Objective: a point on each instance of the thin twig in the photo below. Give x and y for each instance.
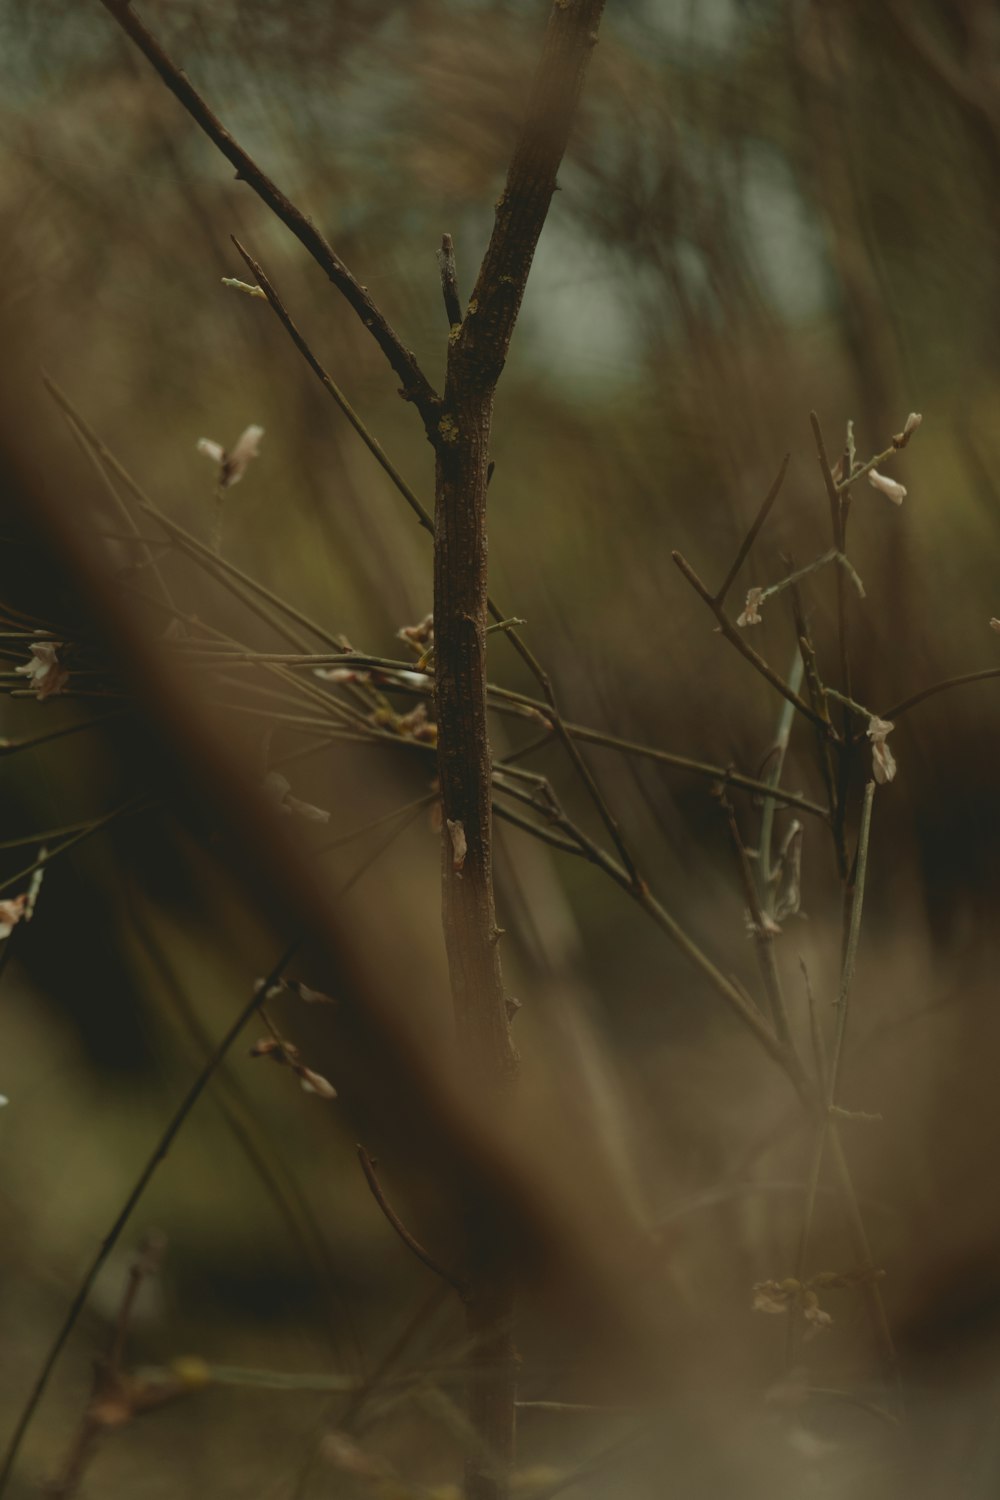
(735, 638)
(113, 1235)
(415, 385)
(751, 536)
(762, 926)
(938, 687)
(409, 1240)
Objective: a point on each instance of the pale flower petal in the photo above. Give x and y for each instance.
(46, 676)
(315, 1083)
(11, 912)
(751, 615)
(891, 487)
(883, 760)
(214, 451)
(246, 447)
(232, 464)
(770, 1297)
(995, 624)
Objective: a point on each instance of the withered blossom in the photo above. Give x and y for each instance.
(891, 487)
(883, 760)
(315, 1083)
(751, 615)
(418, 725)
(420, 637)
(287, 1055)
(459, 847)
(232, 464)
(788, 875)
(780, 1297)
(341, 675)
(46, 675)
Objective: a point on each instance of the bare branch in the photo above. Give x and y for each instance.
(415, 385)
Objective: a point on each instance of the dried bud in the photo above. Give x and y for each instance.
(232, 465)
(12, 912)
(883, 760)
(341, 675)
(45, 675)
(269, 1046)
(459, 846)
(420, 637)
(770, 1297)
(891, 487)
(315, 1083)
(751, 615)
(308, 996)
(910, 426)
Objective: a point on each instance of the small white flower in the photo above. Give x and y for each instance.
(891, 487)
(995, 624)
(751, 615)
(44, 673)
(232, 464)
(883, 760)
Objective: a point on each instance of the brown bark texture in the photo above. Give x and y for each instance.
(476, 357)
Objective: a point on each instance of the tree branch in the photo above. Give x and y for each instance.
(415, 385)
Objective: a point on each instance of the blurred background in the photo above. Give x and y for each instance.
(766, 209)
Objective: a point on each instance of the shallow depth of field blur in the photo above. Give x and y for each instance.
(768, 207)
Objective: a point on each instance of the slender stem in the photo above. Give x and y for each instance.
(371, 443)
(30, 742)
(939, 687)
(735, 638)
(775, 767)
(853, 937)
(416, 387)
(48, 855)
(114, 1234)
(762, 928)
(751, 536)
(409, 1240)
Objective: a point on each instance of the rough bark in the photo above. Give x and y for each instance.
(477, 353)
